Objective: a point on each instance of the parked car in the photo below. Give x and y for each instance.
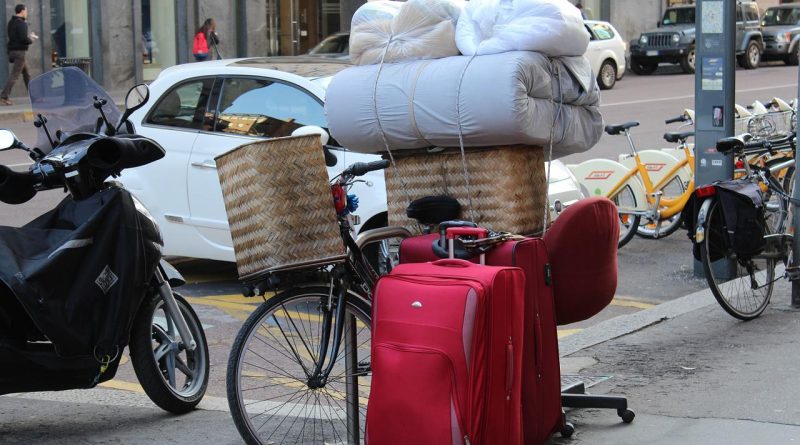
(674, 40)
(781, 28)
(198, 111)
(335, 46)
(606, 53)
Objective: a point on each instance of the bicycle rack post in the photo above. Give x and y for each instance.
(796, 219)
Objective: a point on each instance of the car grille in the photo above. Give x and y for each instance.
(660, 40)
(769, 38)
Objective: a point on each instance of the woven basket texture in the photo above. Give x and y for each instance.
(279, 204)
(508, 185)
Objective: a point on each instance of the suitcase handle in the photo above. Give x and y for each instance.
(453, 232)
(451, 262)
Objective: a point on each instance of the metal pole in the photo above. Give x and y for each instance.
(796, 217)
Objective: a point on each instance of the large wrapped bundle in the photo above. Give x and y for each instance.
(551, 27)
(505, 99)
(417, 29)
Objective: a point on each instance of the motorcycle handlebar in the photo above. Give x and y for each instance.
(16, 187)
(361, 168)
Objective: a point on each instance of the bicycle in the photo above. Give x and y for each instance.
(299, 369)
(743, 283)
(634, 191)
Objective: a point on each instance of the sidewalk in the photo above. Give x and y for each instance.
(21, 112)
(692, 374)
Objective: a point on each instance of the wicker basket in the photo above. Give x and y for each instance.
(508, 184)
(279, 205)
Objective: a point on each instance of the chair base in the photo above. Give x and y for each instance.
(574, 396)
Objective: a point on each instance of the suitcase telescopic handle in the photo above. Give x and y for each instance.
(453, 232)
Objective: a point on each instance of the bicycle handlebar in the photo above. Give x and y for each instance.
(680, 118)
(362, 168)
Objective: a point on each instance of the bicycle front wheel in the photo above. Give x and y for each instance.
(743, 287)
(271, 393)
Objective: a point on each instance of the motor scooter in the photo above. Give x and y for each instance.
(85, 280)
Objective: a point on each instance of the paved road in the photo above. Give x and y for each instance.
(651, 272)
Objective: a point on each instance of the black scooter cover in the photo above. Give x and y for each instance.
(81, 271)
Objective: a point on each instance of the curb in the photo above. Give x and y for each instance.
(15, 117)
(627, 324)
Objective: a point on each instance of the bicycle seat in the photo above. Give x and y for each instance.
(617, 129)
(674, 137)
(434, 209)
(734, 143)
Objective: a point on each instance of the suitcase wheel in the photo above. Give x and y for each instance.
(567, 430)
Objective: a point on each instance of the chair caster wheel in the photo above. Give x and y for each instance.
(567, 430)
(626, 415)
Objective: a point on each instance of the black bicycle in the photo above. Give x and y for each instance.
(299, 369)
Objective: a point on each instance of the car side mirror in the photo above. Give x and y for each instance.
(8, 140)
(324, 138)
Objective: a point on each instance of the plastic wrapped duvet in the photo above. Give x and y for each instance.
(505, 99)
(551, 27)
(417, 29)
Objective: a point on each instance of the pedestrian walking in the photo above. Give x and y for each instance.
(18, 41)
(205, 38)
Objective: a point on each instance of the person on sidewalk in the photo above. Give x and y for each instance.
(18, 41)
(205, 36)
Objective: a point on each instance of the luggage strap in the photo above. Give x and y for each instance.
(483, 245)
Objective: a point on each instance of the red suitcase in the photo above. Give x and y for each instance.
(541, 398)
(446, 361)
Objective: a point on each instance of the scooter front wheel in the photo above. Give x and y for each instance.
(173, 377)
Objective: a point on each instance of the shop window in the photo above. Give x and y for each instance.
(158, 36)
(69, 24)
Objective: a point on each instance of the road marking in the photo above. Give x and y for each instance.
(567, 332)
(125, 386)
(628, 302)
(644, 101)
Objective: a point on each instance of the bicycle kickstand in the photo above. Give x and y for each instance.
(657, 213)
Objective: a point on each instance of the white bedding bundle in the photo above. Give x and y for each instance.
(515, 85)
(417, 29)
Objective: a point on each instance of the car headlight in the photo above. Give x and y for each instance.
(676, 38)
(643, 40)
(785, 37)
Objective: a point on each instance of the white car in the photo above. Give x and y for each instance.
(606, 53)
(198, 111)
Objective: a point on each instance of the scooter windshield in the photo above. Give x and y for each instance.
(65, 97)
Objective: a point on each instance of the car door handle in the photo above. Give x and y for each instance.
(205, 164)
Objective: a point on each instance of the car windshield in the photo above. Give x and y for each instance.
(678, 16)
(338, 44)
(782, 16)
(65, 97)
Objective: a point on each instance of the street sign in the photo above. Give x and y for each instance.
(715, 87)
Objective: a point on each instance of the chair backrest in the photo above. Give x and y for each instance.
(582, 246)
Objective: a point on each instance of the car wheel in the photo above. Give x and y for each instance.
(792, 58)
(643, 68)
(608, 75)
(688, 60)
(751, 57)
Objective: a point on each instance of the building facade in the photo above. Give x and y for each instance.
(130, 41)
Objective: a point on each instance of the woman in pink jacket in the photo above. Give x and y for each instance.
(205, 34)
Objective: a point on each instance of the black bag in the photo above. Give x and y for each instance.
(743, 213)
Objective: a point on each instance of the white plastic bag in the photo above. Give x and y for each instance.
(417, 29)
(551, 27)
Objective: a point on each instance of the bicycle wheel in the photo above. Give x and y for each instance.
(628, 224)
(745, 290)
(674, 189)
(271, 397)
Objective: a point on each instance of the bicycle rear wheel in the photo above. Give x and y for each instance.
(270, 394)
(628, 224)
(745, 289)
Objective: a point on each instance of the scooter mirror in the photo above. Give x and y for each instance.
(137, 96)
(7, 139)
